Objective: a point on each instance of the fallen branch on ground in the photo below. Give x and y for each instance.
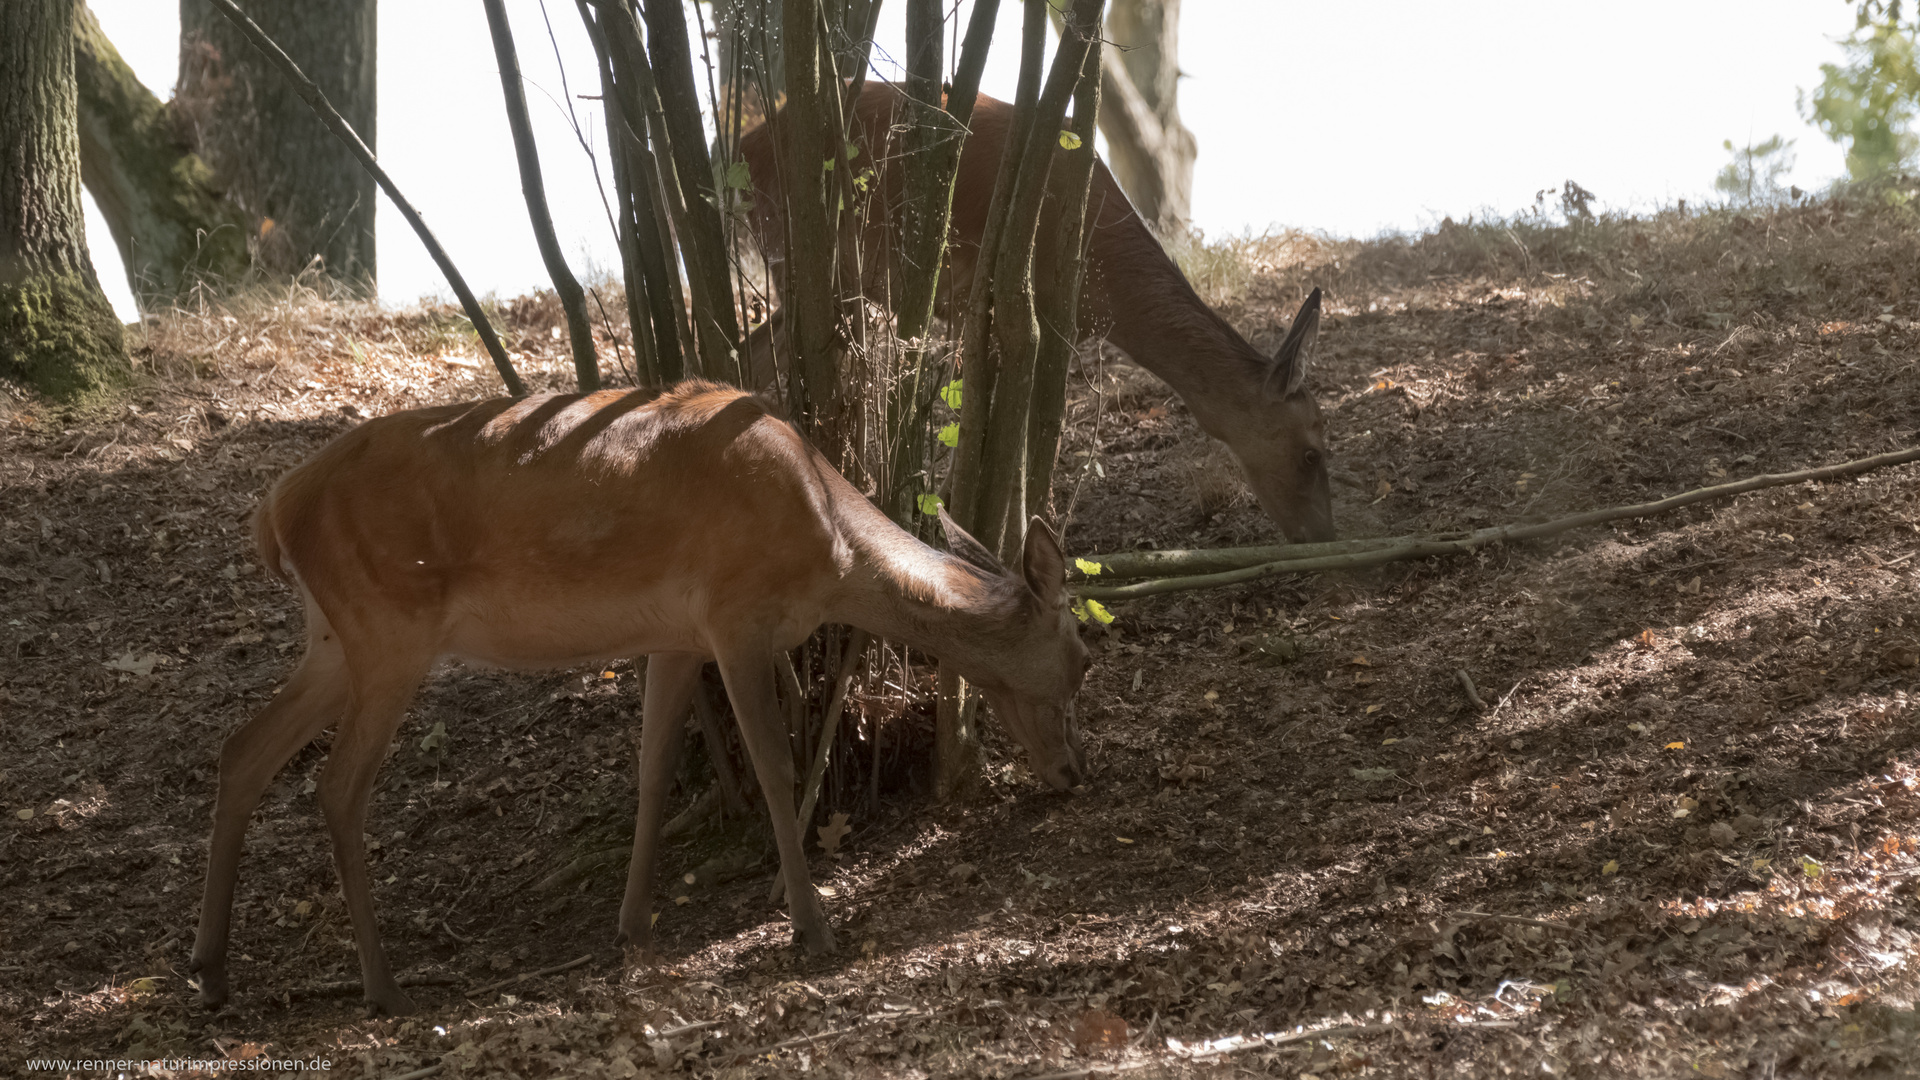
(1503, 534)
(1182, 561)
(348, 987)
(525, 975)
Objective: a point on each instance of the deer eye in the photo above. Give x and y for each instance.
(1313, 457)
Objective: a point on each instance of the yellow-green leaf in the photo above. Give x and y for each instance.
(1088, 567)
(1809, 866)
(949, 435)
(853, 151)
(1068, 140)
(1091, 609)
(1612, 867)
(929, 504)
(950, 394)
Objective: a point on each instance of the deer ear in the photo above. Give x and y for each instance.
(1289, 371)
(967, 549)
(1043, 564)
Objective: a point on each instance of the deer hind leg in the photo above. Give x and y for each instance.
(748, 674)
(384, 678)
(312, 700)
(671, 681)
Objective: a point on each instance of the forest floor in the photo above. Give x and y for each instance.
(1680, 839)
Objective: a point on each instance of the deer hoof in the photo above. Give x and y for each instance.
(212, 982)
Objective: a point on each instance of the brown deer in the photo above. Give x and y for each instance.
(1258, 406)
(687, 526)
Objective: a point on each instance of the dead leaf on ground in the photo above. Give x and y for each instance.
(1098, 1030)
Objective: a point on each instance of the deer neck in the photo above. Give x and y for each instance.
(899, 589)
(1154, 316)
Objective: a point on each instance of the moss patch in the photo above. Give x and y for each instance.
(59, 336)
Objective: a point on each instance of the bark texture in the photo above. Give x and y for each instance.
(170, 222)
(1150, 152)
(271, 155)
(57, 331)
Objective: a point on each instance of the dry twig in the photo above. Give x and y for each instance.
(1466, 684)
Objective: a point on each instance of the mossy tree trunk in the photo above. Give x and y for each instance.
(171, 224)
(306, 193)
(57, 331)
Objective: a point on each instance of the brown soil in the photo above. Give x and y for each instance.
(1680, 840)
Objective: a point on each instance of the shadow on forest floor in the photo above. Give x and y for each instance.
(1681, 837)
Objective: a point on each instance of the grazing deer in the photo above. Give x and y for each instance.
(1134, 294)
(689, 525)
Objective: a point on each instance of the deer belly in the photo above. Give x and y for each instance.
(569, 628)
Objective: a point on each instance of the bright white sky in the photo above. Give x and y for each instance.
(1347, 118)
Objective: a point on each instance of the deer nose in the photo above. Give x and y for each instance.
(1073, 771)
(1066, 775)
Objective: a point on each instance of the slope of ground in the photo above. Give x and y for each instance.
(1679, 840)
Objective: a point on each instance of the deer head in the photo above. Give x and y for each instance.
(1280, 439)
(1033, 695)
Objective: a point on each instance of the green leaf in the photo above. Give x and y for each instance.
(435, 739)
(949, 435)
(929, 504)
(1087, 567)
(950, 394)
(738, 176)
(1372, 775)
(1068, 140)
(853, 151)
(827, 166)
(1809, 866)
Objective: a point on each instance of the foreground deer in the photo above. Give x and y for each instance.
(1134, 294)
(562, 530)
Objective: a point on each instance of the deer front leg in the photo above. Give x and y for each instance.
(378, 704)
(672, 679)
(312, 699)
(749, 677)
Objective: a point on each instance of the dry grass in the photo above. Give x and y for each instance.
(1682, 269)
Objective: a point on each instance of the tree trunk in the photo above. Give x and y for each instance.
(57, 331)
(1057, 295)
(808, 295)
(1148, 149)
(270, 154)
(172, 225)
